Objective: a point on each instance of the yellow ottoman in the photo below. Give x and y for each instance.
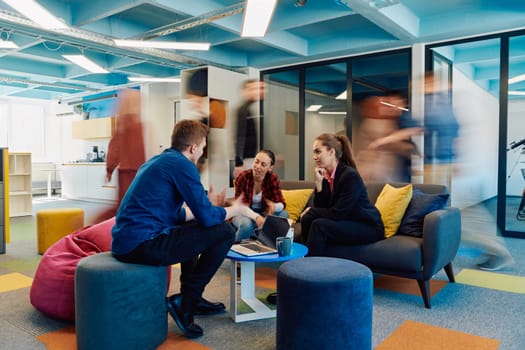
(53, 224)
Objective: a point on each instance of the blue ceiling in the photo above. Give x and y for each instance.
(318, 30)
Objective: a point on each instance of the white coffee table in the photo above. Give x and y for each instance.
(247, 282)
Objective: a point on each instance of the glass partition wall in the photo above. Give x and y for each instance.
(324, 97)
(325, 108)
(282, 122)
(485, 83)
(515, 170)
(487, 86)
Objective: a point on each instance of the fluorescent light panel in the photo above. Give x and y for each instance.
(86, 63)
(517, 93)
(341, 96)
(393, 106)
(154, 80)
(517, 78)
(314, 108)
(336, 113)
(35, 12)
(169, 45)
(257, 16)
(7, 44)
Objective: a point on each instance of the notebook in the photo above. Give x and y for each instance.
(273, 227)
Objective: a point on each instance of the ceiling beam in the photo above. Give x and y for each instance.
(397, 19)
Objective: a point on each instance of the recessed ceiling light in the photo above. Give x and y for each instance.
(517, 78)
(86, 63)
(257, 16)
(7, 44)
(169, 45)
(154, 80)
(517, 93)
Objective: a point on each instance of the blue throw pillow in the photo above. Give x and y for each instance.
(420, 205)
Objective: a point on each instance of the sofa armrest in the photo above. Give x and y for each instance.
(441, 238)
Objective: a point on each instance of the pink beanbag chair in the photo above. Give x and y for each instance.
(53, 288)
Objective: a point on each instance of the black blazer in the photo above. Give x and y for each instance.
(348, 201)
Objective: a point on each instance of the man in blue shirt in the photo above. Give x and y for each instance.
(154, 227)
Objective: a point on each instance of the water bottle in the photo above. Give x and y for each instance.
(290, 233)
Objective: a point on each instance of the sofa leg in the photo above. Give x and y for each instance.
(450, 272)
(424, 287)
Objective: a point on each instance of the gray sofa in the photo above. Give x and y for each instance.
(402, 255)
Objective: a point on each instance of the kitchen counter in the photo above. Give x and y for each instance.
(87, 181)
(85, 163)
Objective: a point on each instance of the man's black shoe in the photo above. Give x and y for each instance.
(205, 307)
(272, 298)
(183, 320)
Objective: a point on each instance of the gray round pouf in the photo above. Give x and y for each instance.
(324, 303)
(119, 305)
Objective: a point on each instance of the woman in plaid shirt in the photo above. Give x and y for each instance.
(261, 191)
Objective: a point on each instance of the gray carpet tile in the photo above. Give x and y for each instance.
(464, 308)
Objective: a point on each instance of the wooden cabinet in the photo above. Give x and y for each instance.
(4, 199)
(20, 196)
(98, 128)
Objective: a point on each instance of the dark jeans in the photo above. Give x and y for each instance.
(200, 251)
(320, 232)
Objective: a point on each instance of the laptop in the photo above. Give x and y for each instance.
(273, 227)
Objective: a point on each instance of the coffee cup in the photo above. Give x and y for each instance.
(284, 246)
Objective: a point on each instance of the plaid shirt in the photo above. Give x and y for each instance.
(271, 188)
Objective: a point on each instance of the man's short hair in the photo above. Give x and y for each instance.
(188, 132)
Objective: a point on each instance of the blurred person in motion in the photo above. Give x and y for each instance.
(385, 147)
(342, 212)
(441, 132)
(442, 150)
(260, 189)
(246, 143)
(197, 93)
(126, 147)
(166, 218)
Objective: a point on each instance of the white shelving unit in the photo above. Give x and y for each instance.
(20, 197)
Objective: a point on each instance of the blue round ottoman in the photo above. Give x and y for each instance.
(324, 303)
(119, 305)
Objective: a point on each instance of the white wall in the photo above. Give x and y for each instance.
(158, 115)
(27, 125)
(477, 112)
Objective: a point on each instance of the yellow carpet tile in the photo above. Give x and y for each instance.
(12, 281)
(492, 280)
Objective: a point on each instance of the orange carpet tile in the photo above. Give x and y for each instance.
(65, 339)
(406, 285)
(413, 335)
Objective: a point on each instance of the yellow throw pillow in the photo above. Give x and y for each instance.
(296, 201)
(392, 203)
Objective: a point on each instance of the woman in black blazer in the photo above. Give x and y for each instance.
(342, 212)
